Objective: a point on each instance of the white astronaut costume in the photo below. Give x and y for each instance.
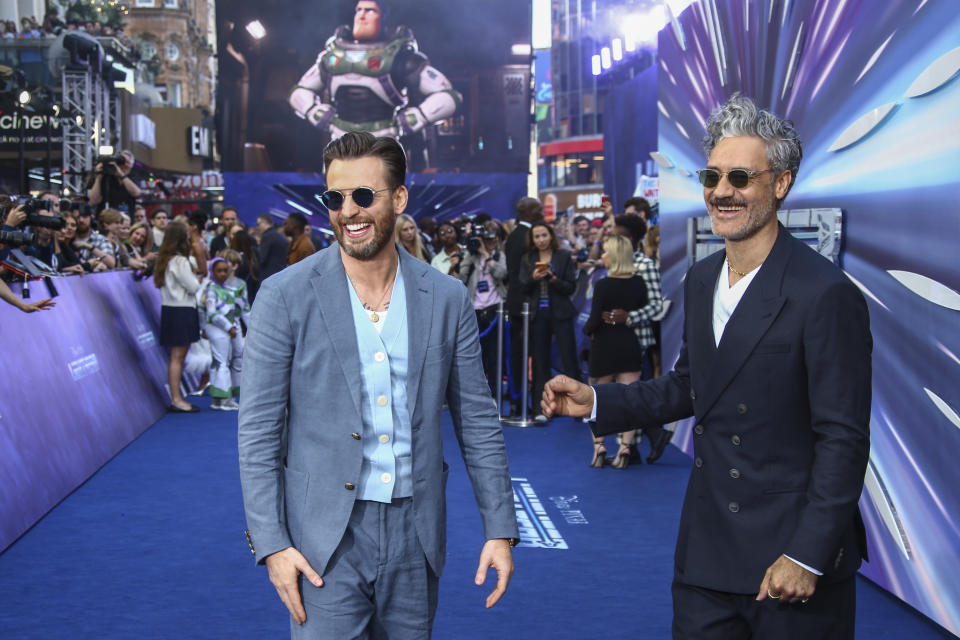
(387, 87)
(224, 307)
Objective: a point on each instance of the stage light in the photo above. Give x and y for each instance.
(629, 43)
(644, 27)
(56, 109)
(595, 64)
(24, 98)
(522, 50)
(605, 58)
(256, 29)
(78, 119)
(617, 49)
(541, 25)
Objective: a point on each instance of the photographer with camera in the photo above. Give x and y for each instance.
(110, 185)
(484, 271)
(90, 246)
(47, 246)
(12, 237)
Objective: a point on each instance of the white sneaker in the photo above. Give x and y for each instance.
(224, 404)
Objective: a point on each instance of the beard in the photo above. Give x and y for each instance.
(758, 214)
(383, 233)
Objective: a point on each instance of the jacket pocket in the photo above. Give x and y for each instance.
(436, 353)
(772, 347)
(778, 490)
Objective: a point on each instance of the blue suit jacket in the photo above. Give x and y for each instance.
(782, 411)
(300, 452)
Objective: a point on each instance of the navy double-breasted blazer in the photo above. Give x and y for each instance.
(782, 407)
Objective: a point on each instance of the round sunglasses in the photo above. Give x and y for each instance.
(363, 196)
(738, 178)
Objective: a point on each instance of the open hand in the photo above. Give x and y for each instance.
(42, 305)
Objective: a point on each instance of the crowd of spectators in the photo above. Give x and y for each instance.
(543, 264)
(513, 261)
(53, 25)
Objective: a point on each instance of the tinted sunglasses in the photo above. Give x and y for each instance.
(738, 178)
(363, 196)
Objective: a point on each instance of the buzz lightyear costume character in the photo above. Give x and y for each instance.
(373, 79)
(224, 306)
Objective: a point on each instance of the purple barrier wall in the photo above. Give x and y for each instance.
(874, 92)
(80, 383)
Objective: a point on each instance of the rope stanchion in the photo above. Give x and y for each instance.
(483, 334)
(523, 421)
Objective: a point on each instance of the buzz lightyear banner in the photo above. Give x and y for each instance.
(442, 76)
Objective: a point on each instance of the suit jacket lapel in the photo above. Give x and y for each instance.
(757, 310)
(702, 346)
(419, 320)
(333, 299)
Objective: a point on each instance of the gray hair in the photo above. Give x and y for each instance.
(741, 117)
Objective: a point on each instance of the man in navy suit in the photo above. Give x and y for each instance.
(775, 366)
(350, 355)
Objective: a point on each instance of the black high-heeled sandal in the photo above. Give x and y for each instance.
(599, 455)
(622, 459)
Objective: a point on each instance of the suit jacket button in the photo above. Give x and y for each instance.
(349, 486)
(698, 462)
(355, 436)
(734, 507)
(741, 408)
(734, 473)
(698, 429)
(735, 440)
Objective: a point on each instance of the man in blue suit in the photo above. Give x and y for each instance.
(776, 367)
(350, 356)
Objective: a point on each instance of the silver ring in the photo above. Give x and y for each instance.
(772, 596)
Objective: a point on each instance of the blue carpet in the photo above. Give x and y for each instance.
(152, 546)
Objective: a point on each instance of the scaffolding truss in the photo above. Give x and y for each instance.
(87, 95)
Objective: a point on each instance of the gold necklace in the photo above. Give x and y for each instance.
(374, 317)
(739, 273)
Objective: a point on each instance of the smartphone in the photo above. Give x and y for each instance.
(541, 266)
(604, 200)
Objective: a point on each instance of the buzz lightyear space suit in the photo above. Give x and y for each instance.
(387, 87)
(224, 305)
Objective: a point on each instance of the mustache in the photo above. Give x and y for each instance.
(727, 202)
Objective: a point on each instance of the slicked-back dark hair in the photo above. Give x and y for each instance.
(640, 204)
(529, 210)
(361, 144)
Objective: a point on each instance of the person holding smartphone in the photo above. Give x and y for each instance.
(548, 278)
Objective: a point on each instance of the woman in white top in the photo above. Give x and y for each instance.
(179, 322)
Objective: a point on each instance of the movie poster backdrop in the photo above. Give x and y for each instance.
(440, 75)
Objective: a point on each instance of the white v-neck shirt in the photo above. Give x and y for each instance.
(726, 298)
